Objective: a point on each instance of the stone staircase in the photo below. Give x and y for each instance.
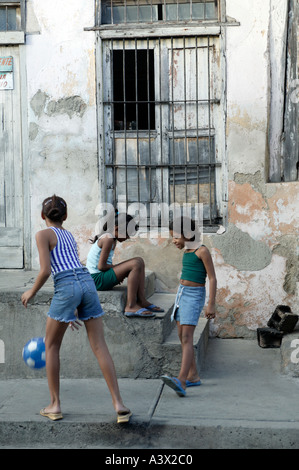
(140, 347)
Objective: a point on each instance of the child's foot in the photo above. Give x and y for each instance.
(123, 417)
(52, 409)
(51, 413)
(152, 307)
(138, 311)
(175, 384)
(193, 381)
(123, 414)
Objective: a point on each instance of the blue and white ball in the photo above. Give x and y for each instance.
(34, 353)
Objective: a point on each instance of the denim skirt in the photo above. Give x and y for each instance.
(188, 305)
(74, 289)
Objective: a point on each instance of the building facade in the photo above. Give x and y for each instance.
(151, 103)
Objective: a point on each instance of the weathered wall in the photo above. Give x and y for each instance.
(60, 63)
(256, 257)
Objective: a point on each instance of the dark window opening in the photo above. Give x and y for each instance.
(9, 18)
(133, 89)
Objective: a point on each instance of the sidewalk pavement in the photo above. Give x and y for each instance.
(243, 402)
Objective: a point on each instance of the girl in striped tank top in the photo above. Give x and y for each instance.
(74, 291)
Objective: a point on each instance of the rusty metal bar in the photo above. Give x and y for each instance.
(125, 117)
(164, 165)
(209, 126)
(172, 123)
(137, 121)
(149, 117)
(197, 121)
(160, 123)
(112, 120)
(185, 116)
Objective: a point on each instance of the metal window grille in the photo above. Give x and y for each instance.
(160, 107)
(140, 11)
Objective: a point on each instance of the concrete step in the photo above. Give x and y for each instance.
(115, 300)
(134, 343)
(244, 403)
(172, 348)
(140, 347)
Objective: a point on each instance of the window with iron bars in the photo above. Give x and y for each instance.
(12, 16)
(140, 11)
(161, 113)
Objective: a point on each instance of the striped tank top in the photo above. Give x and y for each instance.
(65, 254)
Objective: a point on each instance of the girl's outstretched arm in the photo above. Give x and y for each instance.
(43, 246)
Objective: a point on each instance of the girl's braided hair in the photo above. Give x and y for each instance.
(54, 208)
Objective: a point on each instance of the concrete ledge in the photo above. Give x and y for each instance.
(134, 343)
(243, 402)
(157, 435)
(172, 348)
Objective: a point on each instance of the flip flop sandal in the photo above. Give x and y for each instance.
(139, 313)
(52, 416)
(123, 417)
(192, 384)
(154, 308)
(175, 384)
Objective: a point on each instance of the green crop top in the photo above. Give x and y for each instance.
(193, 268)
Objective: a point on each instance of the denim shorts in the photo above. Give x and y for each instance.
(74, 289)
(188, 305)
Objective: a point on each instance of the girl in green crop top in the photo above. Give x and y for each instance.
(197, 265)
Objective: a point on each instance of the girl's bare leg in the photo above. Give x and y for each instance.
(54, 334)
(95, 332)
(188, 369)
(133, 269)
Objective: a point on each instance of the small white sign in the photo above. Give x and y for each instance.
(6, 81)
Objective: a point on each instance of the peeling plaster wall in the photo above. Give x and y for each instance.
(62, 148)
(256, 258)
